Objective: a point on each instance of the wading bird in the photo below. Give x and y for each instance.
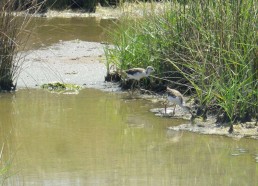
(176, 98)
(137, 74)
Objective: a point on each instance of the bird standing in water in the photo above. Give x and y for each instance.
(138, 73)
(175, 97)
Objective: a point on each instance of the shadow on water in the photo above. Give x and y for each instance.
(99, 138)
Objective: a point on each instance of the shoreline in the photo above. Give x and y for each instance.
(240, 131)
(74, 62)
(67, 62)
(82, 63)
(127, 9)
(209, 127)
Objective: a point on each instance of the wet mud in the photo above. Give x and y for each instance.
(83, 63)
(74, 62)
(208, 127)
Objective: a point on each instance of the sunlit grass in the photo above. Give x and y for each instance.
(208, 47)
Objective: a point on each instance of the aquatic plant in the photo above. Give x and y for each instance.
(209, 48)
(59, 87)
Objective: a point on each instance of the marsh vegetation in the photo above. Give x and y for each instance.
(206, 49)
(13, 36)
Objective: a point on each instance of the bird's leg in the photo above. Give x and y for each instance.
(138, 84)
(130, 91)
(174, 111)
(132, 87)
(165, 108)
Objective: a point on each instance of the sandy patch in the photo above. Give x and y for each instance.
(77, 62)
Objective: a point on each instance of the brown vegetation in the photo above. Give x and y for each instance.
(12, 37)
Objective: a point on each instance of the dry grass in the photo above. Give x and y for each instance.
(13, 37)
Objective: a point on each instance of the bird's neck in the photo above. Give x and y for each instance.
(147, 72)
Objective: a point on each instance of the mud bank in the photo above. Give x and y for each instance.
(76, 62)
(209, 127)
(83, 63)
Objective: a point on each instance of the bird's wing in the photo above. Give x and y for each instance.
(134, 71)
(174, 93)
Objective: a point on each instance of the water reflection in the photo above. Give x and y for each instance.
(93, 138)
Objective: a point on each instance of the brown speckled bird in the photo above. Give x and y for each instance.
(175, 97)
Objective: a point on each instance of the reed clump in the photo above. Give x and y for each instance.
(13, 37)
(209, 48)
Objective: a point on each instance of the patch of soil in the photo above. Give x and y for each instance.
(74, 62)
(209, 127)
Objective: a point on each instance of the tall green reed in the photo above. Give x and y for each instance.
(139, 42)
(209, 46)
(221, 48)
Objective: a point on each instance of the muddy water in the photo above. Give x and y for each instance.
(47, 31)
(99, 138)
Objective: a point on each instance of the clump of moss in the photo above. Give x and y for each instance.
(61, 87)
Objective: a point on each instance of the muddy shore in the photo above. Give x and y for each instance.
(83, 63)
(209, 127)
(75, 62)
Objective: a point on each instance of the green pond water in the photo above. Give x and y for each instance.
(102, 138)
(47, 31)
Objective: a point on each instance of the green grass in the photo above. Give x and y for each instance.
(208, 47)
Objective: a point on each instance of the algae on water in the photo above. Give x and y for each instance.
(59, 87)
